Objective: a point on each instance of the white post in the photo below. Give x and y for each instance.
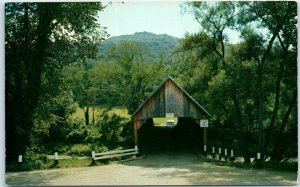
(20, 159)
(219, 150)
(93, 154)
(213, 149)
(225, 152)
(136, 147)
(231, 153)
(204, 148)
(258, 156)
(56, 158)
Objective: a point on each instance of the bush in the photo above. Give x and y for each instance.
(80, 150)
(31, 161)
(99, 148)
(110, 128)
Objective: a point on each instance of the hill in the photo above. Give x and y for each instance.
(157, 44)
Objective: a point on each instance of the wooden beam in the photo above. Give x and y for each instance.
(204, 136)
(137, 125)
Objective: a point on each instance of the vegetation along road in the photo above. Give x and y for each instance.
(156, 169)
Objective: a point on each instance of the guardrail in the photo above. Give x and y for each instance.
(113, 154)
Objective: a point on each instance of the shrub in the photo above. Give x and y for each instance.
(80, 150)
(99, 148)
(110, 129)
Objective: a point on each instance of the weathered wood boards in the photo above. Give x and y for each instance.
(170, 98)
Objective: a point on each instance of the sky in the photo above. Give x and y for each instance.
(159, 17)
(156, 17)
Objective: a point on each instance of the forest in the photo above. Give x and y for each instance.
(54, 68)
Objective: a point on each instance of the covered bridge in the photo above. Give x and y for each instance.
(170, 99)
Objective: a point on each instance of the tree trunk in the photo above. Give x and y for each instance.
(276, 104)
(86, 115)
(276, 155)
(25, 90)
(93, 115)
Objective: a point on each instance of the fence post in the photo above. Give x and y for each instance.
(20, 159)
(220, 153)
(93, 155)
(258, 157)
(231, 156)
(204, 149)
(225, 152)
(56, 157)
(213, 152)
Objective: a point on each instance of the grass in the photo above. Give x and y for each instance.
(162, 121)
(273, 165)
(50, 164)
(121, 111)
(68, 163)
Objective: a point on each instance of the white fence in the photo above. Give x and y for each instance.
(113, 154)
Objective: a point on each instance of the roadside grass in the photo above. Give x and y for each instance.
(68, 163)
(270, 165)
(51, 164)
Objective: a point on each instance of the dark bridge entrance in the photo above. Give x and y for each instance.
(170, 100)
(185, 136)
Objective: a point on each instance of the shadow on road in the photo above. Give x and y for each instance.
(33, 178)
(187, 166)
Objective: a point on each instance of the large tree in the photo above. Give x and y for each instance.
(39, 37)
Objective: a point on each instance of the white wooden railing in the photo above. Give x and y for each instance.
(117, 153)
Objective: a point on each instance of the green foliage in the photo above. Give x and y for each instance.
(110, 128)
(80, 150)
(242, 84)
(50, 35)
(128, 73)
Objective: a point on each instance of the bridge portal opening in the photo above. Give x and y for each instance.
(185, 136)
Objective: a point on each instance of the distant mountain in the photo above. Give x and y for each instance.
(156, 43)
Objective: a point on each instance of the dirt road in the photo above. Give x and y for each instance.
(155, 169)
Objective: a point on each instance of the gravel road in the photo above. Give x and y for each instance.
(155, 169)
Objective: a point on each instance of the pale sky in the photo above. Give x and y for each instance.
(159, 17)
(156, 17)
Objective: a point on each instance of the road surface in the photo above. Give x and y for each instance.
(155, 169)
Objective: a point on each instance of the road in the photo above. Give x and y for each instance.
(155, 169)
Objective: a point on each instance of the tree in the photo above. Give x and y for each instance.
(279, 19)
(39, 37)
(129, 74)
(243, 82)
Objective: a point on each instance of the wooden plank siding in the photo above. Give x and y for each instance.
(170, 98)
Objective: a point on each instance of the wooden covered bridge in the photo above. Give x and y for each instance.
(170, 100)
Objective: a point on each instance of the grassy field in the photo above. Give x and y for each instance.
(121, 111)
(162, 121)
